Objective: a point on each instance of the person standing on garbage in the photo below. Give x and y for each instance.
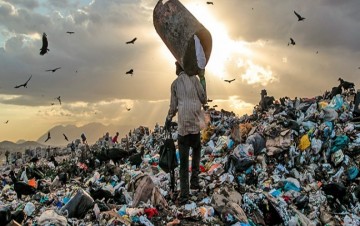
(7, 156)
(115, 138)
(187, 97)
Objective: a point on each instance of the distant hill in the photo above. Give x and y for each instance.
(18, 146)
(93, 132)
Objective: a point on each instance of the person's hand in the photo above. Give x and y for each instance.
(201, 75)
(167, 124)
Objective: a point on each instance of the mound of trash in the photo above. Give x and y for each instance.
(291, 162)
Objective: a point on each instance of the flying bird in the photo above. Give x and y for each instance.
(128, 109)
(132, 41)
(7, 121)
(292, 42)
(44, 49)
(25, 84)
(210, 3)
(130, 72)
(229, 81)
(58, 98)
(300, 18)
(48, 137)
(53, 70)
(65, 137)
(70, 32)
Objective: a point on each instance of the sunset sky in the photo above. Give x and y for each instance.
(250, 44)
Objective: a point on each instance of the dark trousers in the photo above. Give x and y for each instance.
(185, 143)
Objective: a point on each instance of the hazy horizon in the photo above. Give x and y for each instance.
(250, 44)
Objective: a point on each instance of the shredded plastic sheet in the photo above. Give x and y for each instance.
(200, 55)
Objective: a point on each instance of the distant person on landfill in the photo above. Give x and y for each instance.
(7, 156)
(48, 152)
(187, 97)
(72, 149)
(83, 138)
(115, 138)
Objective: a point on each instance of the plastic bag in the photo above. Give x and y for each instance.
(50, 217)
(78, 205)
(167, 160)
(5, 214)
(29, 208)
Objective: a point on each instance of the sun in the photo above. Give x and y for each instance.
(223, 47)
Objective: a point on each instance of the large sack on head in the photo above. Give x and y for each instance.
(186, 38)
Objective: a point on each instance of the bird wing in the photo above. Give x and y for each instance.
(18, 86)
(28, 79)
(45, 42)
(298, 16)
(57, 68)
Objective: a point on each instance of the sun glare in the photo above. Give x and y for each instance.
(223, 47)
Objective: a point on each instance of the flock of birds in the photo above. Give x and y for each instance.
(44, 49)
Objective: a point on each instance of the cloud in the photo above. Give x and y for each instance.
(29, 4)
(14, 44)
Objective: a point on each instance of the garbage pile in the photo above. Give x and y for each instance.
(294, 162)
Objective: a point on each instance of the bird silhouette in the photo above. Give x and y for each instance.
(128, 109)
(48, 137)
(292, 42)
(7, 121)
(53, 70)
(131, 41)
(58, 98)
(210, 3)
(65, 137)
(229, 81)
(300, 18)
(25, 84)
(130, 72)
(44, 49)
(70, 32)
